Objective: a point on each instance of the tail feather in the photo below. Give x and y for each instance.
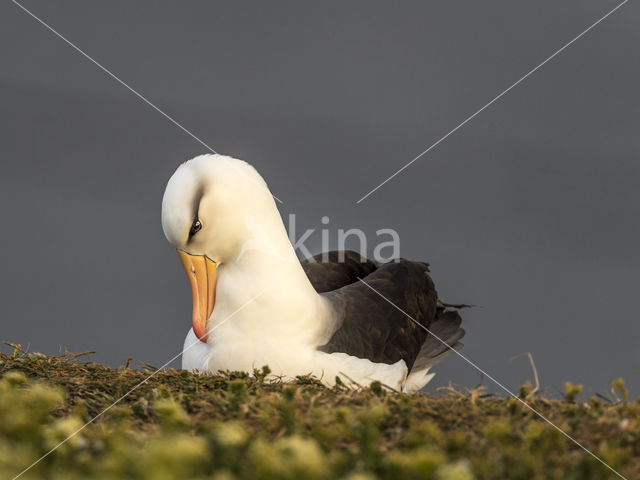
(446, 333)
(446, 328)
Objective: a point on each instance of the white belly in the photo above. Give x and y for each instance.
(286, 361)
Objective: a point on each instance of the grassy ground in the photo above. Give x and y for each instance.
(183, 426)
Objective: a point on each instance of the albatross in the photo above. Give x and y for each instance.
(255, 303)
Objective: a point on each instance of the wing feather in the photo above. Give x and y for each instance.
(371, 327)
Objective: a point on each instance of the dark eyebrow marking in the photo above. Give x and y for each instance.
(196, 200)
(195, 206)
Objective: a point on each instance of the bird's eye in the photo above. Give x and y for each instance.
(195, 227)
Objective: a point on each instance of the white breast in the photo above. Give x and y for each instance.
(195, 354)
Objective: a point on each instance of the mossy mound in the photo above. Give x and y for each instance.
(178, 425)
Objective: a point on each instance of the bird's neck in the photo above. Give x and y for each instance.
(265, 290)
(273, 272)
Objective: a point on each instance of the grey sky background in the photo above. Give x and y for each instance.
(530, 210)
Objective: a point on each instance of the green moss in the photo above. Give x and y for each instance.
(235, 427)
(171, 414)
(619, 390)
(413, 464)
(455, 471)
(571, 392)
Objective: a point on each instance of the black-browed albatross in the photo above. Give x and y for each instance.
(255, 303)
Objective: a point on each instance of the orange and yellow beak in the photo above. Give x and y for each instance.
(202, 277)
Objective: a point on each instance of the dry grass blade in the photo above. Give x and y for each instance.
(535, 372)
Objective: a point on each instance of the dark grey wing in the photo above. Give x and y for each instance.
(332, 270)
(372, 328)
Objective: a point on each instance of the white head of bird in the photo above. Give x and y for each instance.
(213, 206)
